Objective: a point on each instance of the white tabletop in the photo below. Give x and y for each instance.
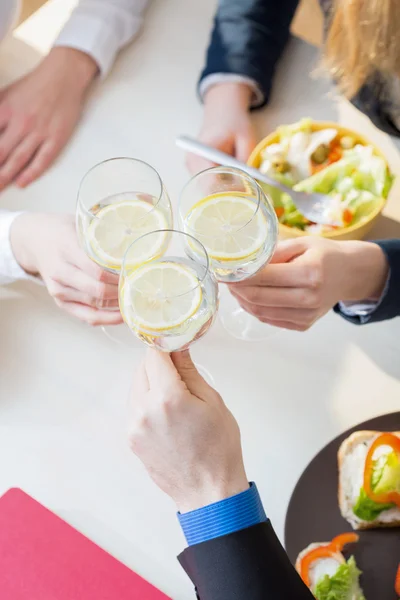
(64, 386)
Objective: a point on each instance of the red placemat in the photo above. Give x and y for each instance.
(44, 558)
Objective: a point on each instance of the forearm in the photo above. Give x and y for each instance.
(101, 28)
(248, 39)
(10, 268)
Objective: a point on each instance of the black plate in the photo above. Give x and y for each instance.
(313, 516)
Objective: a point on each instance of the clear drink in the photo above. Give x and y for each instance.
(170, 301)
(119, 201)
(243, 239)
(228, 212)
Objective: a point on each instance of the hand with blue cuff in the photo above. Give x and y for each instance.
(184, 434)
(189, 443)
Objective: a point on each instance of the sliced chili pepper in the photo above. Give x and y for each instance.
(279, 211)
(386, 439)
(312, 556)
(335, 546)
(397, 582)
(340, 541)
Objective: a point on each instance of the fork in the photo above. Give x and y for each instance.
(315, 207)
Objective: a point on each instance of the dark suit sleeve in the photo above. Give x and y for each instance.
(248, 39)
(250, 564)
(389, 306)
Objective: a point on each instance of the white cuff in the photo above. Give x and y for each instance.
(10, 270)
(217, 78)
(358, 309)
(102, 29)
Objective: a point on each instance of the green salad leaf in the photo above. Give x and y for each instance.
(361, 203)
(287, 131)
(368, 510)
(344, 585)
(372, 174)
(290, 216)
(325, 181)
(385, 477)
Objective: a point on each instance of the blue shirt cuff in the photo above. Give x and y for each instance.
(222, 518)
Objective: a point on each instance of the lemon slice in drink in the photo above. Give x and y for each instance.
(228, 225)
(118, 225)
(160, 296)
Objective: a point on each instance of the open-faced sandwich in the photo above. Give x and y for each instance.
(328, 160)
(369, 479)
(324, 569)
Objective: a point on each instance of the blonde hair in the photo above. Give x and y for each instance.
(363, 37)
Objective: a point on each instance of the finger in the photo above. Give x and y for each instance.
(140, 385)
(195, 164)
(92, 316)
(244, 147)
(289, 249)
(300, 316)
(270, 297)
(189, 374)
(281, 275)
(18, 158)
(40, 162)
(285, 325)
(82, 261)
(70, 294)
(5, 115)
(10, 138)
(160, 370)
(95, 292)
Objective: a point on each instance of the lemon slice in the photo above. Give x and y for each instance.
(227, 226)
(160, 295)
(119, 224)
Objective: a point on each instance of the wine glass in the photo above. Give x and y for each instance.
(170, 300)
(228, 212)
(119, 200)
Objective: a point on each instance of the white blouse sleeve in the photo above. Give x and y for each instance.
(9, 268)
(100, 28)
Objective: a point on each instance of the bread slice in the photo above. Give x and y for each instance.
(351, 459)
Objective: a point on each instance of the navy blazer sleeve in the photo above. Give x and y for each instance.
(389, 306)
(250, 564)
(248, 39)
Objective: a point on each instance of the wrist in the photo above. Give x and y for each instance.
(210, 493)
(74, 64)
(21, 236)
(367, 269)
(236, 95)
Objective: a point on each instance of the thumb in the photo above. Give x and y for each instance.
(189, 374)
(244, 147)
(288, 250)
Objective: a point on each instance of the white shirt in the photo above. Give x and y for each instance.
(100, 28)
